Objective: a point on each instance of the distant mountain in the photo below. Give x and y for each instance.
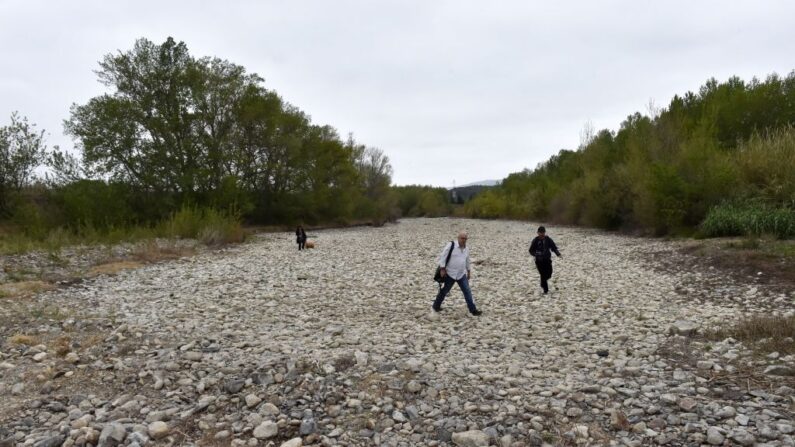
(461, 194)
(481, 183)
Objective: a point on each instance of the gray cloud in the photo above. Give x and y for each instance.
(450, 90)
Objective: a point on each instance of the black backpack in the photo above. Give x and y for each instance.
(438, 275)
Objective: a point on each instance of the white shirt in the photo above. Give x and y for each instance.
(459, 261)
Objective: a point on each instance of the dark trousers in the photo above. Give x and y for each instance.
(301, 245)
(544, 267)
(463, 283)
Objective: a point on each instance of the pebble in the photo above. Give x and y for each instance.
(266, 430)
(158, 430)
(231, 341)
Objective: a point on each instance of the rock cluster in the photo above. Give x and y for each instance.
(262, 345)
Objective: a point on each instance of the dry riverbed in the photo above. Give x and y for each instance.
(258, 344)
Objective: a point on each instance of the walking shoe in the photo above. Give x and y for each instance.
(477, 313)
(436, 309)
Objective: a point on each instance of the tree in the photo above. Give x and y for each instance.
(169, 122)
(22, 150)
(182, 130)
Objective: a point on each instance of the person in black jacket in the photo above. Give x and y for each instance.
(300, 237)
(541, 248)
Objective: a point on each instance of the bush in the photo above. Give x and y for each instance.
(30, 220)
(749, 219)
(767, 166)
(96, 204)
(208, 225)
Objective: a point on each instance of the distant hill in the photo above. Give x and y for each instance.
(463, 194)
(481, 183)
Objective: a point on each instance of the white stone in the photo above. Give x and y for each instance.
(266, 430)
(471, 438)
(252, 400)
(295, 442)
(158, 430)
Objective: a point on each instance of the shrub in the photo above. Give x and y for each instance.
(749, 219)
(771, 332)
(208, 225)
(95, 203)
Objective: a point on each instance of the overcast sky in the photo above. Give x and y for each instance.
(451, 90)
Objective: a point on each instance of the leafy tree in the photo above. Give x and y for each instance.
(22, 150)
(729, 142)
(167, 123)
(205, 132)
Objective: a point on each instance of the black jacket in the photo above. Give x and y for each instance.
(543, 248)
(300, 235)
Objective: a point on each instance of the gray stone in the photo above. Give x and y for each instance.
(308, 426)
(266, 430)
(683, 327)
(742, 419)
(158, 430)
(785, 428)
(193, 356)
(765, 431)
(252, 400)
(234, 386)
(726, 412)
(714, 436)
(138, 437)
(742, 437)
(112, 435)
(780, 370)
(443, 435)
(52, 441)
(272, 410)
(687, 404)
(471, 438)
(413, 386)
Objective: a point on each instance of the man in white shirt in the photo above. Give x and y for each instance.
(457, 270)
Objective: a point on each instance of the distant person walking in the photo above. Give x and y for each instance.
(456, 270)
(541, 248)
(300, 237)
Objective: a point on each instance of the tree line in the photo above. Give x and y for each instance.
(717, 162)
(203, 138)
(175, 131)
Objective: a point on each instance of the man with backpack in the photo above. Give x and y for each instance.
(454, 267)
(541, 248)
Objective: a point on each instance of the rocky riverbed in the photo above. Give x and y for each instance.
(262, 345)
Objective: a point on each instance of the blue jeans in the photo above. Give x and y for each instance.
(463, 283)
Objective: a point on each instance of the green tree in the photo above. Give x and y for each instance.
(22, 150)
(168, 122)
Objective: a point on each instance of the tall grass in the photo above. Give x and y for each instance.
(749, 220)
(766, 164)
(771, 332)
(207, 225)
(210, 226)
